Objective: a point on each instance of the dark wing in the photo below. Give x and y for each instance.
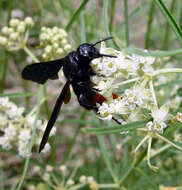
(67, 96)
(54, 114)
(41, 72)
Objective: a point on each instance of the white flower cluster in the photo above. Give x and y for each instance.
(118, 69)
(125, 69)
(14, 36)
(67, 182)
(138, 100)
(124, 65)
(54, 41)
(17, 129)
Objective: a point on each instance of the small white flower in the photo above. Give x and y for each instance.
(25, 135)
(46, 176)
(159, 116)
(83, 179)
(70, 182)
(29, 21)
(14, 22)
(5, 142)
(59, 51)
(63, 170)
(179, 117)
(49, 168)
(90, 179)
(10, 132)
(23, 149)
(30, 119)
(67, 47)
(3, 41)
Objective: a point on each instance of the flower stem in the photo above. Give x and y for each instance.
(148, 155)
(126, 23)
(31, 140)
(108, 186)
(141, 142)
(126, 82)
(153, 92)
(27, 50)
(169, 142)
(168, 70)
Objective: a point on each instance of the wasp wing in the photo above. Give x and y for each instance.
(67, 96)
(54, 114)
(41, 72)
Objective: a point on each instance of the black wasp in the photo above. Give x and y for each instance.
(78, 71)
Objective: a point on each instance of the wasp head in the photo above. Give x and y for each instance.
(87, 52)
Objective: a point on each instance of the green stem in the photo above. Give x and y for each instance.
(105, 17)
(1, 179)
(108, 186)
(170, 19)
(180, 18)
(26, 49)
(166, 71)
(167, 27)
(79, 125)
(4, 71)
(32, 140)
(156, 53)
(149, 24)
(113, 2)
(126, 23)
(135, 163)
(5, 61)
(75, 14)
(106, 158)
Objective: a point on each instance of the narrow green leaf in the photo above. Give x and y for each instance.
(106, 158)
(105, 17)
(157, 53)
(27, 161)
(149, 24)
(126, 23)
(17, 95)
(75, 14)
(170, 19)
(115, 129)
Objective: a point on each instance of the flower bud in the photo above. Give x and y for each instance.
(49, 168)
(70, 182)
(83, 179)
(3, 41)
(5, 30)
(63, 170)
(21, 28)
(67, 47)
(55, 45)
(48, 49)
(14, 22)
(14, 36)
(59, 51)
(29, 21)
(64, 42)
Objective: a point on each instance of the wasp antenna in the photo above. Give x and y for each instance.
(105, 55)
(104, 39)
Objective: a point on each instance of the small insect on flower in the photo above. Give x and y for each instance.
(78, 72)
